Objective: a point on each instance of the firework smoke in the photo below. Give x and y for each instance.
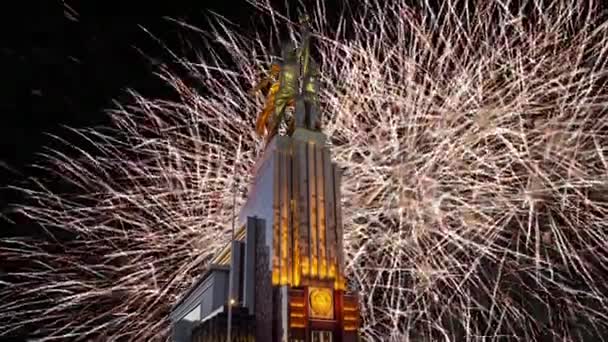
(474, 144)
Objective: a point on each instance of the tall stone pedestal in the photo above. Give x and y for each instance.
(296, 193)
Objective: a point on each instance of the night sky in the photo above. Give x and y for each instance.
(66, 64)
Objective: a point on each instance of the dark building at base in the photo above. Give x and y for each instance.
(287, 257)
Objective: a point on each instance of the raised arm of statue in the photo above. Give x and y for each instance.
(261, 84)
(268, 80)
(304, 50)
(264, 117)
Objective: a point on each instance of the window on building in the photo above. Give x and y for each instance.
(322, 336)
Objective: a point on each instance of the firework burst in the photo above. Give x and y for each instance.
(473, 141)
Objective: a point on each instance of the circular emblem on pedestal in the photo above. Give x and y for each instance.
(321, 303)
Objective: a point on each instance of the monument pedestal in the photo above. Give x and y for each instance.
(296, 192)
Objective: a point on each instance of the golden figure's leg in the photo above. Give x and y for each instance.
(262, 122)
(292, 121)
(272, 130)
(263, 117)
(282, 100)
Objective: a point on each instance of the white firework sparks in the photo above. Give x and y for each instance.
(473, 139)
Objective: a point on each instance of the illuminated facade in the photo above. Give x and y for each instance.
(285, 266)
(287, 257)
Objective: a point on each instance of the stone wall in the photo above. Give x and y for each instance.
(263, 289)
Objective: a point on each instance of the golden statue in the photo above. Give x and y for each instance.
(262, 124)
(284, 80)
(310, 81)
(288, 86)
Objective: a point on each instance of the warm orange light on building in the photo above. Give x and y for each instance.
(322, 229)
(332, 271)
(297, 310)
(305, 266)
(296, 266)
(285, 203)
(351, 314)
(296, 248)
(275, 277)
(276, 263)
